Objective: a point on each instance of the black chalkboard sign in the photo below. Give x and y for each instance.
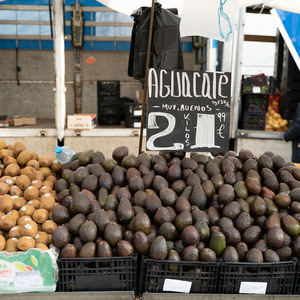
(188, 111)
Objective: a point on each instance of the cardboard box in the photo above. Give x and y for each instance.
(139, 94)
(21, 121)
(81, 121)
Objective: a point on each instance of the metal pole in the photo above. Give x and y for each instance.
(146, 75)
(59, 68)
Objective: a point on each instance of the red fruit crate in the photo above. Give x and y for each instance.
(278, 277)
(203, 276)
(254, 121)
(97, 274)
(258, 84)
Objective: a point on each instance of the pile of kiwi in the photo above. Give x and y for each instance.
(27, 198)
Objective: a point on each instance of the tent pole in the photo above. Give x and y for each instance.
(146, 75)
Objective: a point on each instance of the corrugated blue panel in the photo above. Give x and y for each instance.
(29, 44)
(68, 30)
(8, 44)
(87, 30)
(187, 46)
(105, 46)
(68, 45)
(68, 15)
(47, 45)
(84, 2)
(87, 45)
(87, 16)
(123, 46)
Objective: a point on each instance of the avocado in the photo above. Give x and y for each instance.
(159, 182)
(212, 168)
(245, 154)
(106, 181)
(271, 206)
(111, 203)
(122, 192)
(230, 255)
(271, 256)
(282, 200)
(296, 246)
(68, 251)
(187, 192)
(208, 188)
(224, 222)
(232, 235)
(81, 203)
(60, 185)
(231, 210)
(174, 173)
(198, 196)
(141, 242)
(60, 214)
(161, 216)
(251, 235)
(245, 207)
(168, 230)
(295, 207)
(272, 221)
(160, 169)
(119, 153)
(88, 250)
(254, 255)
(217, 243)
(60, 237)
(207, 255)
(190, 235)
(253, 185)
(230, 178)
(291, 226)
(250, 164)
(239, 176)
(213, 215)
(158, 248)
(112, 233)
(265, 161)
(217, 180)
(192, 179)
(182, 204)
(260, 221)
(173, 255)
(240, 190)
(269, 180)
(190, 253)
(227, 166)
(102, 195)
(124, 248)
(88, 232)
(75, 223)
(130, 161)
(103, 249)
(200, 172)
(135, 184)
(125, 211)
(295, 194)
(253, 174)
(199, 215)
(178, 186)
(258, 206)
(275, 237)
(141, 222)
(118, 176)
(145, 159)
(242, 250)
(261, 245)
(226, 194)
(183, 220)
(79, 175)
(90, 183)
(278, 162)
(152, 203)
(85, 158)
(285, 253)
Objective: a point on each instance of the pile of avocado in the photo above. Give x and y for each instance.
(169, 206)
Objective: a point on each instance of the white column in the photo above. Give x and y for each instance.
(59, 68)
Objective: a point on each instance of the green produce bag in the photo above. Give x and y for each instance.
(34, 270)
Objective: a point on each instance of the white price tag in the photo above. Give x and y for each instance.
(28, 278)
(253, 288)
(180, 286)
(256, 89)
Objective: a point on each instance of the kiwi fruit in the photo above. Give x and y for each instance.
(23, 220)
(40, 215)
(52, 178)
(55, 166)
(47, 201)
(12, 170)
(42, 237)
(2, 144)
(31, 192)
(35, 203)
(41, 246)
(49, 238)
(11, 245)
(26, 210)
(18, 202)
(15, 232)
(14, 190)
(35, 156)
(29, 229)
(5, 152)
(25, 243)
(7, 222)
(2, 243)
(4, 188)
(8, 180)
(49, 226)
(14, 213)
(45, 171)
(23, 182)
(9, 160)
(45, 161)
(44, 190)
(18, 148)
(48, 183)
(33, 163)
(37, 183)
(30, 172)
(39, 175)
(23, 157)
(6, 203)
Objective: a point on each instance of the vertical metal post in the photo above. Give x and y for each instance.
(146, 74)
(59, 68)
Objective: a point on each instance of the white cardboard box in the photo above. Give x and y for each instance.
(81, 121)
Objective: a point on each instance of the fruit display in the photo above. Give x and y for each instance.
(274, 121)
(27, 198)
(168, 206)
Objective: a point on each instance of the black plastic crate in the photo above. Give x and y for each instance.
(258, 84)
(297, 279)
(133, 122)
(254, 121)
(108, 87)
(255, 103)
(133, 109)
(109, 120)
(278, 276)
(97, 274)
(114, 108)
(203, 275)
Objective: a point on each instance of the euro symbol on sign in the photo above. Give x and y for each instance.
(220, 131)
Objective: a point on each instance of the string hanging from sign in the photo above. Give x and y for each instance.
(225, 16)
